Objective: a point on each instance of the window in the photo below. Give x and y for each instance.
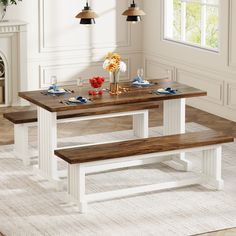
(193, 22)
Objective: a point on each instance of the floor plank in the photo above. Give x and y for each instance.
(227, 232)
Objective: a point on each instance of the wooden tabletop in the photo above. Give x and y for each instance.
(133, 95)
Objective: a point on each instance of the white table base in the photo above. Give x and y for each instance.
(47, 136)
(47, 143)
(174, 123)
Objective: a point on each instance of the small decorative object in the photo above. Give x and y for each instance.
(87, 15)
(114, 65)
(133, 13)
(5, 4)
(96, 83)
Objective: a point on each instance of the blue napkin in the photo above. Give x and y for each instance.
(53, 87)
(138, 79)
(78, 100)
(166, 91)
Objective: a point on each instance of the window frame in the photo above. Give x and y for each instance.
(182, 41)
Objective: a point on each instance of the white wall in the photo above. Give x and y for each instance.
(59, 45)
(213, 72)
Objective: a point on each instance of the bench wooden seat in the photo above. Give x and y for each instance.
(24, 119)
(95, 158)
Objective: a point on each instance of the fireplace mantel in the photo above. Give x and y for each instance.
(12, 26)
(13, 53)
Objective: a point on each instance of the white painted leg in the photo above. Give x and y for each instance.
(21, 143)
(47, 138)
(76, 186)
(140, 124)
(211, 167)
(174, 123)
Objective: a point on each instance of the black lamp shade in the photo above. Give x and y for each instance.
(87, 21)
(133, 18)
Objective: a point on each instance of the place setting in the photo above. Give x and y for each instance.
(55, 90)
(167, 91)
(139, 81)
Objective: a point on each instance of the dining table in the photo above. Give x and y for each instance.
(174, 112)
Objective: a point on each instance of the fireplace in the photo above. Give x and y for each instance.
(13, 62)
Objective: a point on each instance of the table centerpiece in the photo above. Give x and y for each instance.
(114, 65)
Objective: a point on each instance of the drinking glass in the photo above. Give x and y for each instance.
(80, 82)
(53, 80)
(140, 72)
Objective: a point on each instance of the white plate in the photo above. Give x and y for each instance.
(56, 92)
(142, 84)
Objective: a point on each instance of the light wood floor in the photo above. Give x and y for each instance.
(227, 232)
(116, 124)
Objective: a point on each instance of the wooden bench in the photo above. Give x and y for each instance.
(22, 120)
(96, 158)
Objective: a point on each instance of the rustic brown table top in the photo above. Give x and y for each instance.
(133, 95)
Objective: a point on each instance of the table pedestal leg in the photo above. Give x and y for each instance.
(140, 125)
(47, 143)
(174, 123)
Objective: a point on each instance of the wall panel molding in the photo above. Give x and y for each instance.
(158, 70)
(67, 73)
(214, 87)
(231, 95)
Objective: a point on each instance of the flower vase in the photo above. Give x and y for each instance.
(114, 82)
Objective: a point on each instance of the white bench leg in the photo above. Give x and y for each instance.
(76, 186)
(211, 167)
(140, 125)
(174, 123)
(21, 142)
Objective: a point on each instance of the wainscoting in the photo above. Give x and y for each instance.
(221, 99)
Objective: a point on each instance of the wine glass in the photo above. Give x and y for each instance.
(80, 82)
(140, 74)
(53, 80)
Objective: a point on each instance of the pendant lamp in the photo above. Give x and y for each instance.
(133, 13)
(87, 15)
